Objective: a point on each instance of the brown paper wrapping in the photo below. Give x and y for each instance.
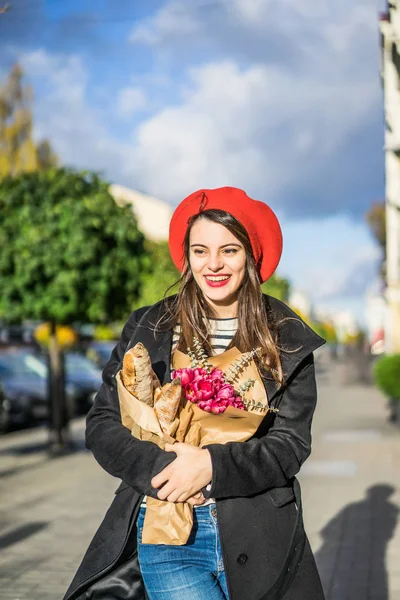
(167, 522)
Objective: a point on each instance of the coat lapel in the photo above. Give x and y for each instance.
(158, 344)
(161, 356)
(296, 340)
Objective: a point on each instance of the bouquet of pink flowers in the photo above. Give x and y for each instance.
(209, 387)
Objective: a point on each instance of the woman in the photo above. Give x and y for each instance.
(248, 540)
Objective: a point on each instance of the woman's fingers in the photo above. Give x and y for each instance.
(166, 491)
(194, 501)
(161, 478)
(174, 496)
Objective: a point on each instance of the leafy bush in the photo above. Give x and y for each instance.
(387, 375)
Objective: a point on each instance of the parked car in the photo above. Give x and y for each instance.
(85, 379)
(24, 380)
(4, 411)
(24, 377)
(100, 352)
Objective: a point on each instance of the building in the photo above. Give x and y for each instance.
(153, 215)
(390, 71)
(375, 314)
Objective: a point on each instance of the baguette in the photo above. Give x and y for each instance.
(166, 402)
(137, 374)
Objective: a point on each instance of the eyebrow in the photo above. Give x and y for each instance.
(224, 246)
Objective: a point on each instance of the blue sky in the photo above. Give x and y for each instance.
(280, 98)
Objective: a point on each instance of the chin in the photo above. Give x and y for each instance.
(219, 295)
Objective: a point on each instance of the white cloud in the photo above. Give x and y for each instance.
(259, 128)
(170, 21)
(130, 100)
(63, 114)
(333, 260)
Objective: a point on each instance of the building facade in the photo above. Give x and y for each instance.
(390, 71)
(153, 215)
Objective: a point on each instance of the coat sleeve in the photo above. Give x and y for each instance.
(248, 468)
(134, 461)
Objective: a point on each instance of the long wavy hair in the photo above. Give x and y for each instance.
(191, 310)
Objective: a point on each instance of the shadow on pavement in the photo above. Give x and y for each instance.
(26, 448)
(21, 533)
(351, 560)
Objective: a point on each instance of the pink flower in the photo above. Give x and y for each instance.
(226, 391)
(185, 374)
(208, 390)
(216, 374)
(203, 389)
(199, 373)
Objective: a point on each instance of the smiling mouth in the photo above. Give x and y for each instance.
(217, 277)
(216, 281)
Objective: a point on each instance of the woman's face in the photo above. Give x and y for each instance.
(218, 262)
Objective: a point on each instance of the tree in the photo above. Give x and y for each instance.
(18, 151)
(276, 286)
(69, 253)
(376, 219)
(159, 275)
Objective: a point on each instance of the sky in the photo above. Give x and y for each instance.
(282, 99)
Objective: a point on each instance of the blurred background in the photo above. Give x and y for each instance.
(113, 111)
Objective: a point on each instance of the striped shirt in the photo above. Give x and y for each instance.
(221, 333)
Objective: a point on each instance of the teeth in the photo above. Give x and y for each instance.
(212, 278)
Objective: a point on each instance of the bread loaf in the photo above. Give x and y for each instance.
(167, 400)
(137, 374)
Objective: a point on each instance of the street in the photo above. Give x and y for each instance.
(50, 508)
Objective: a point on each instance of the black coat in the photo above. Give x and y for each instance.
(265, 549)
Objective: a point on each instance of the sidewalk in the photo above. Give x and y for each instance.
(351, 492)
(50, 508)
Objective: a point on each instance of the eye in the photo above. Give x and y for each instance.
(230, 250)
(198, 251)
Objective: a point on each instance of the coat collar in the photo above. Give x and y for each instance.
(296, 340)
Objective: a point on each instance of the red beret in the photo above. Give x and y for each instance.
(257, 218)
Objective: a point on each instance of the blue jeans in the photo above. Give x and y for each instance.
(194, 571)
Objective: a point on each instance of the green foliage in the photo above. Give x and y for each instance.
(106, 333)
(160, 274)
(276, 286)
(326, 330)
(68, 252)
(387, 375)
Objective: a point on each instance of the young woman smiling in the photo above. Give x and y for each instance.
(248, 541)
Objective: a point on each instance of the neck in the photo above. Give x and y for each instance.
(224, 311)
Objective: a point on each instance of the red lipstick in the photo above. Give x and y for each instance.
(215, 284)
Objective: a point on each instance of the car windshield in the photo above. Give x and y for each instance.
(22, 364)
(78, 363)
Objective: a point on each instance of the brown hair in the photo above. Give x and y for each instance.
(191, 310)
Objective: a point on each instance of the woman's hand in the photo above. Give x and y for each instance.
(186, 475)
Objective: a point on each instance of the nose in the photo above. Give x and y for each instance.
(215, 261)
